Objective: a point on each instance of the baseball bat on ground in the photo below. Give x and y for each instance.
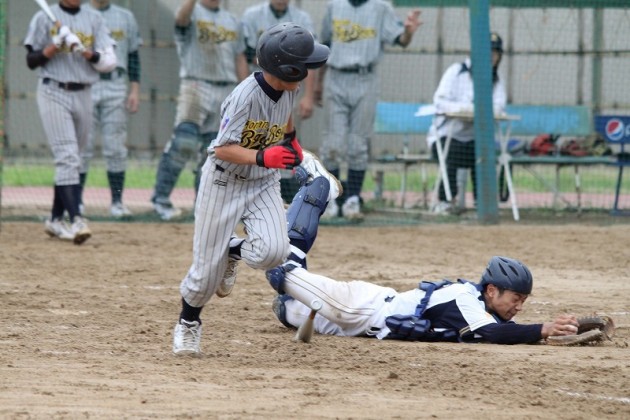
(43, 4)
(305, 332)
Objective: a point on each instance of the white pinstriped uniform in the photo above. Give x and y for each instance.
(230, 193)
(109, 96)
(67, 115)
(356, 36)
(207, 52)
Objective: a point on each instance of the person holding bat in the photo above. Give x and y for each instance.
(461, 311)
(69, 45)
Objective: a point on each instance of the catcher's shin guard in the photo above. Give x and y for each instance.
(304, 212)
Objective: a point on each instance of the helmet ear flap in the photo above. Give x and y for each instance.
(293, 72)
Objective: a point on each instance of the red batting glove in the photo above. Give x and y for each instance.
(291, 141)
(281, 157)
(297, 148)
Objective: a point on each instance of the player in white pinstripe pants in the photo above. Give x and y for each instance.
(113, 100)
(355, 31)
(240, 179)
(68, 62)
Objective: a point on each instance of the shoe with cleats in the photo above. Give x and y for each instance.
(166, 212)
(119, 210)
(315, 169)
(80, 230)
(351, 209)
(57, 228)
(187, 338)
(229, 278)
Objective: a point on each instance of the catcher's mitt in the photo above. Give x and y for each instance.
(592, 329)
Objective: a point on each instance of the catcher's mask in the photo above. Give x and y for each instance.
(509, 274)
(287, 51)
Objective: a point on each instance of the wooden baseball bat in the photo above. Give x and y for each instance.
(305, 332)
(43, 4)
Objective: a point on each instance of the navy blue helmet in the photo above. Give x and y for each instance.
(287, 51)
(509, 274)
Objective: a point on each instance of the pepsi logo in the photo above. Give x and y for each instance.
(614, 129)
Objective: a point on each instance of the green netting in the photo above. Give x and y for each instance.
(564, 64)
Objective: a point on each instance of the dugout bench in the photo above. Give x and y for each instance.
(575, 121)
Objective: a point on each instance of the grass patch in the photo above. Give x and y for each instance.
(141, 174)
(138, 175)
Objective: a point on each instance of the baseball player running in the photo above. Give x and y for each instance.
(69, 60)
(255, 20)
(435, 311)
(355, 31)
(112, 100)
(240, 179)
(211, 51)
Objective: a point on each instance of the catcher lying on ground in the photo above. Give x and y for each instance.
(435, 311)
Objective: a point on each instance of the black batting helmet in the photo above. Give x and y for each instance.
(496, 43)
(287, 51)
(508, 273)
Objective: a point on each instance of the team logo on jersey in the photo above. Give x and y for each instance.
(345, 30)
(259, 134)
(86, 40)
(209, 32)
(615, 129)
(117, 34)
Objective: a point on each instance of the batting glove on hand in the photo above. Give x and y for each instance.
(62, 33)
(75, 44)
(290, 141)
(281, 157)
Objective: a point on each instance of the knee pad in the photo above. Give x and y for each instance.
(305, 209)
(275, 276)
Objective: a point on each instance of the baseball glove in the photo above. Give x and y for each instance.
(592, 329)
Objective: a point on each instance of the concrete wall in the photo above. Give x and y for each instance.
(542, 66)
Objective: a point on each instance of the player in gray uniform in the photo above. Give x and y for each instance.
(69, 60)
(211, 51)
(112, 100)
(240, 179)
(256, 19)
(355, 31)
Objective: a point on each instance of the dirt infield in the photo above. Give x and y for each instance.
(86, 330)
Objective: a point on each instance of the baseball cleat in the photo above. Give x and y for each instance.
(442, 208)
(80, 230)
(229, 278)
(57, 228)
(316, 169)
(351, 209)
(332, 210)
(187, 338)
(119, 210)
(166, 212)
